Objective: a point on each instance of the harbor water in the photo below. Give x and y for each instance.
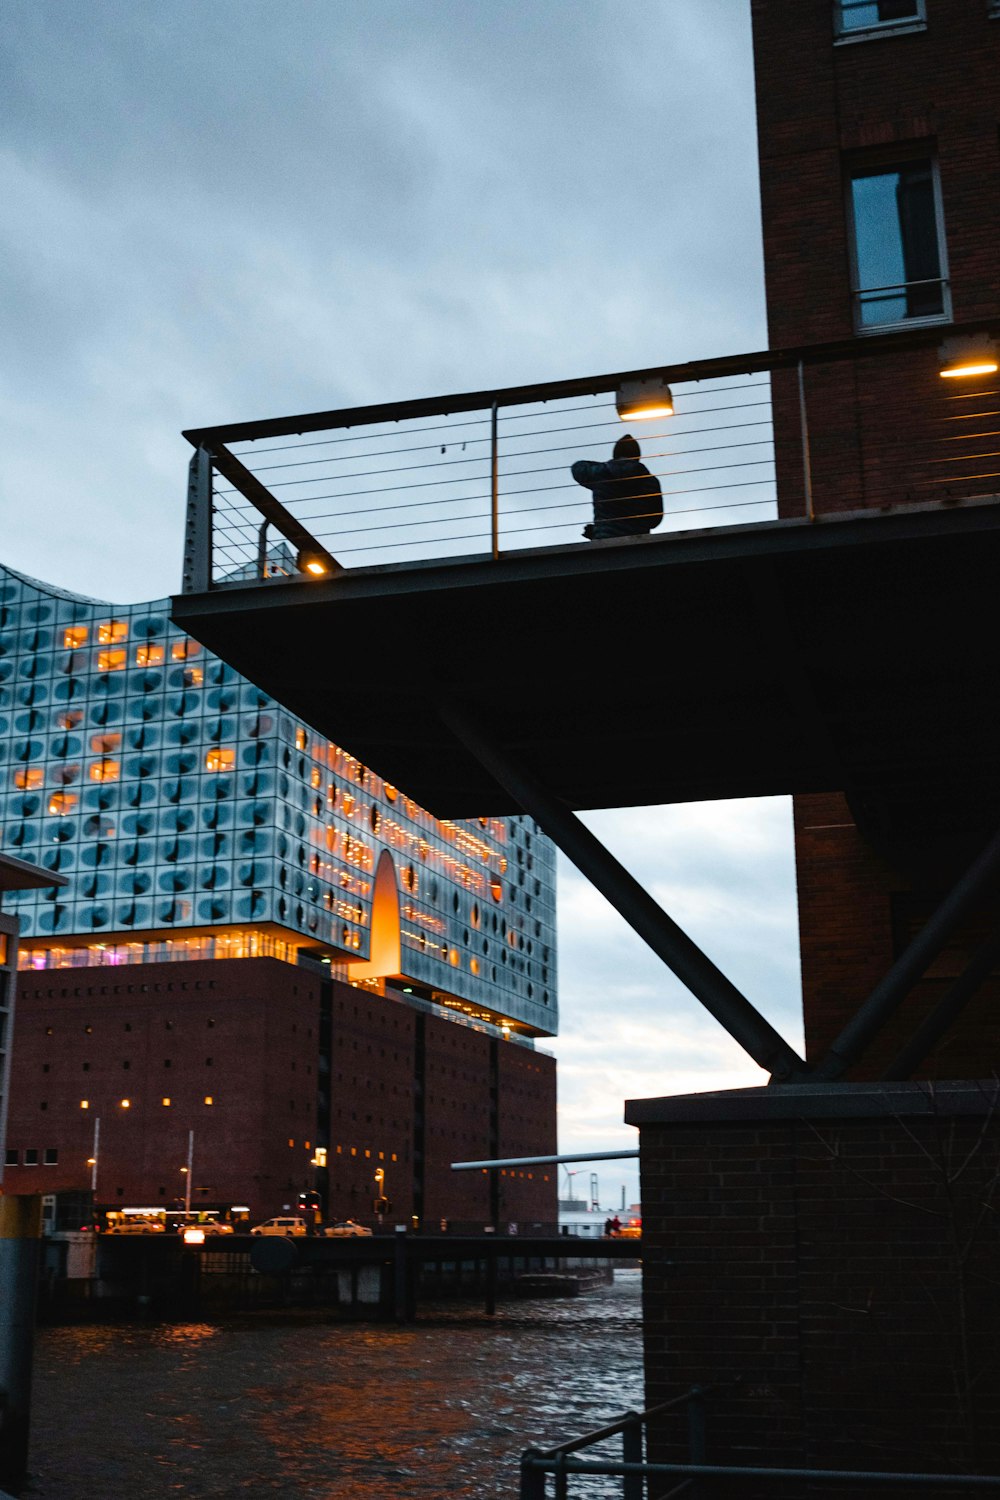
(332, 1411)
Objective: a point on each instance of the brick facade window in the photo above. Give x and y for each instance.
(897, 244)
(853, 20)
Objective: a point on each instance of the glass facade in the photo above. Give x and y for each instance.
(195, 817)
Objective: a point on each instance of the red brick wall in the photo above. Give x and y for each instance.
(857, 911)
(458, 1121)
(882, 430)
(371, 1103)
(816, 101)
(527, 1127)
(839, 1267)
(258, 1020)
(255, 1019)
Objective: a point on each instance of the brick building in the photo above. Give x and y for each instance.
(829, 1244)
(880, 187)
(264, 1062)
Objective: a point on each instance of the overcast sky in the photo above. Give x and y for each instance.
(227, 209)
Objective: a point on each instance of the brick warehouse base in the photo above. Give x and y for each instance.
(835, 1249)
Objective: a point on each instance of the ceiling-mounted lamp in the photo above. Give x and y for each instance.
(638, 400)
(971, 354)
(314, 563)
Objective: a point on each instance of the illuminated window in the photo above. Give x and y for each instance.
(301, 740)
(75, 636)
(185, 649)
(105, 770)
(209, 1099)
(193, 677)
(149, 655)
(474, 965)
(70, 719)
(103, 744)
(84, 1103)
(220, 760)
(496, 889)
(390, 792)
(291, 1143)
(453, 957)
(29, 778)
(165, 1101)
(60, 803)
(110, 632)
(314, 776)
(111, 661)
(126, 1103)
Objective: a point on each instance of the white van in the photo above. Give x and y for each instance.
(292, 1227)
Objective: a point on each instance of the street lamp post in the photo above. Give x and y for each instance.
(92, 1163)
(189, 1170)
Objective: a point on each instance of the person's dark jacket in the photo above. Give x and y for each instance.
(627, 497)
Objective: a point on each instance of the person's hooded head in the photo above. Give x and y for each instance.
(627, 447)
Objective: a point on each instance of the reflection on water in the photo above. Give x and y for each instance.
(331, 1411)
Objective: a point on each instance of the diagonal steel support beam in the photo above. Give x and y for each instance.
(270, 508)
(947, 1010)
(887, 996)
(693, 968)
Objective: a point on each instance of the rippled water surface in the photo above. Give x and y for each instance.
(331, 1411)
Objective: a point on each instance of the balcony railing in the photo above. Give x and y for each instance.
(487, 473)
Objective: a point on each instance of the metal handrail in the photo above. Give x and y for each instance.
(461, 504)
(634, 1471)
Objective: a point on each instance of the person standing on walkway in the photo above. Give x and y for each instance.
(628, 500)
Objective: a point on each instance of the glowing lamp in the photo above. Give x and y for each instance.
(314, 563)
(963, 357)
(640, 400)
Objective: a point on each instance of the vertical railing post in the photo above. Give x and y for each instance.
(198, 525)
(262, 550)
(804, 433)
(697, 1437)
(532, 1486)
(632, 1486)
(494, 484)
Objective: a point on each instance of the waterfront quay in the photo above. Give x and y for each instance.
(381, 1277)
(226, 1409)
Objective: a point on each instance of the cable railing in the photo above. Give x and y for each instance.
(492, 473)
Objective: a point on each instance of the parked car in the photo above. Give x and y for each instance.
(217, 1226)
(345, 1227)
(289, 1227)
(135, 1226)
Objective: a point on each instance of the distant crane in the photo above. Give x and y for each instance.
(595, 1195)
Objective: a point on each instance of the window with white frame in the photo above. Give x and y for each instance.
(897, 245)
(854, 20)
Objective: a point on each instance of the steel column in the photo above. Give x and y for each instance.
(20, 1246)
(891, 991)
(494, 483)
(198, 525)
(692, 967)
